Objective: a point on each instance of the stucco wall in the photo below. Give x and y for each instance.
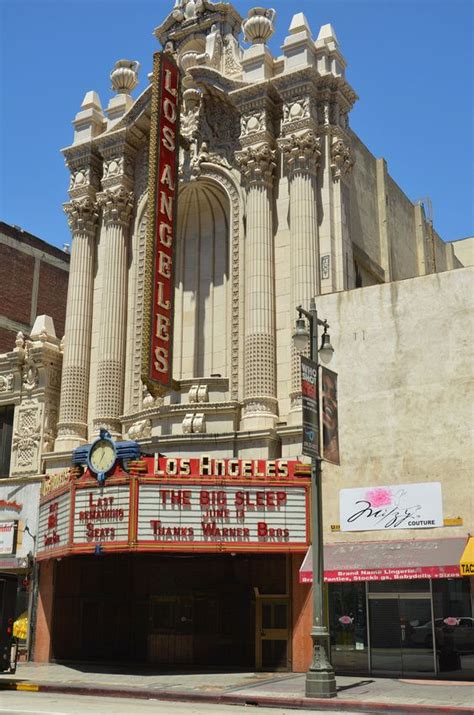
(404, 358)
(364, 212)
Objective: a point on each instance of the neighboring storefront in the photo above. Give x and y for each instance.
(18, 529)
(398, 606)
(180, 561)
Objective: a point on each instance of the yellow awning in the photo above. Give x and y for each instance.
(466, 564)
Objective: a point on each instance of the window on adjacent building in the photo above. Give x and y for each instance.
(6, 433)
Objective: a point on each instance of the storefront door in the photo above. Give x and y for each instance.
(401, 634)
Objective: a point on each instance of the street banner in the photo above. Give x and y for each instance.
(162, 201)
(330, 416)
(310, 403)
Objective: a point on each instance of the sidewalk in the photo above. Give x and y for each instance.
(366, 695)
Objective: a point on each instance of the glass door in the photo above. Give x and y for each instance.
(401, 634)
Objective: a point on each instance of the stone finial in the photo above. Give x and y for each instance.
(299, 23)
(19, 341)
(89, 121)
(43, 327)
(327, 36)
(124, 76)
(259, 26)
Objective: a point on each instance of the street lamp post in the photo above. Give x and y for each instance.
(320, 678)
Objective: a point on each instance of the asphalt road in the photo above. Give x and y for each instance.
(21, 703)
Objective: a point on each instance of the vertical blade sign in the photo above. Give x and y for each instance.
(162, 196)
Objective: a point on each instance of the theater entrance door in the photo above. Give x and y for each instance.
(272, 632)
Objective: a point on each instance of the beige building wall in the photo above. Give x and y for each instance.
(464, 250)
(404, 355)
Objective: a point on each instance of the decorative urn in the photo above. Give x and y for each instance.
(259, 27)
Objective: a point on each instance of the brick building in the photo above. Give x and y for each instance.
(42, 272)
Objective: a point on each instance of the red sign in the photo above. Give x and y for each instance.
(164, 148)
(384, 574)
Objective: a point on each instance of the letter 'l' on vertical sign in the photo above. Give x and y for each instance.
(157, 348)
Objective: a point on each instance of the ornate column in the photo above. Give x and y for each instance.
(257, 164)
(301, 154)
(117, 205)
(82, 216)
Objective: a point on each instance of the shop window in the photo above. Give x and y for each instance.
(6, 433)
(348, 627)
(421, 585)
(454, 627)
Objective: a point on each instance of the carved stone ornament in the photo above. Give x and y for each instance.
(301, 152)
(257, 164)
(341, 159)
(187, 9)
(117, 206)
(19, 342)
(124, 76)
(253, 123)
(259, 26)
(6, 383)
(27, 437)
(50, 430)
(140, 430)
(82, 215)
(30, 373)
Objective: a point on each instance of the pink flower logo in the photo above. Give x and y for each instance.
(346, 620)
(450, 621)
(379, 497)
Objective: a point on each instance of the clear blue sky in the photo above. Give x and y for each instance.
(410, 62)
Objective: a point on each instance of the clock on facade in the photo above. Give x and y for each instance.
(102, 455)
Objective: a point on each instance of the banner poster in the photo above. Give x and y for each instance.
(162, 198)
(330, 416)
(309, 390)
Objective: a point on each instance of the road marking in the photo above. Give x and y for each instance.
(28, 687)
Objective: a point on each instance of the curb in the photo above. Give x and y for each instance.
(249, 700)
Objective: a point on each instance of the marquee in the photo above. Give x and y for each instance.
(178, 504)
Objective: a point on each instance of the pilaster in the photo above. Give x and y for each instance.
(36, 414)
(82, 213)
(116, 202)
(301, 155)
(257, 164)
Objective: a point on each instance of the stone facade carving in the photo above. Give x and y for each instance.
(27, 438)
(194, 423)
(82, 215)
(117, 206)
(140, 430)
(124, 76)
(257, 164)
(259, 26)
(301, 152)
(187, 9)
(6, 382)
(341, 158)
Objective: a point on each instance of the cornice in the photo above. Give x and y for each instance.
(182, 408)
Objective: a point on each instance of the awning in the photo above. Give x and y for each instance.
(388, 560)
(466, 564)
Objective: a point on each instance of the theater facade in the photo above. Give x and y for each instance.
(231, 190)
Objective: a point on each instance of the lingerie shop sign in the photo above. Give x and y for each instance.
(401, 506)
(238, 514)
